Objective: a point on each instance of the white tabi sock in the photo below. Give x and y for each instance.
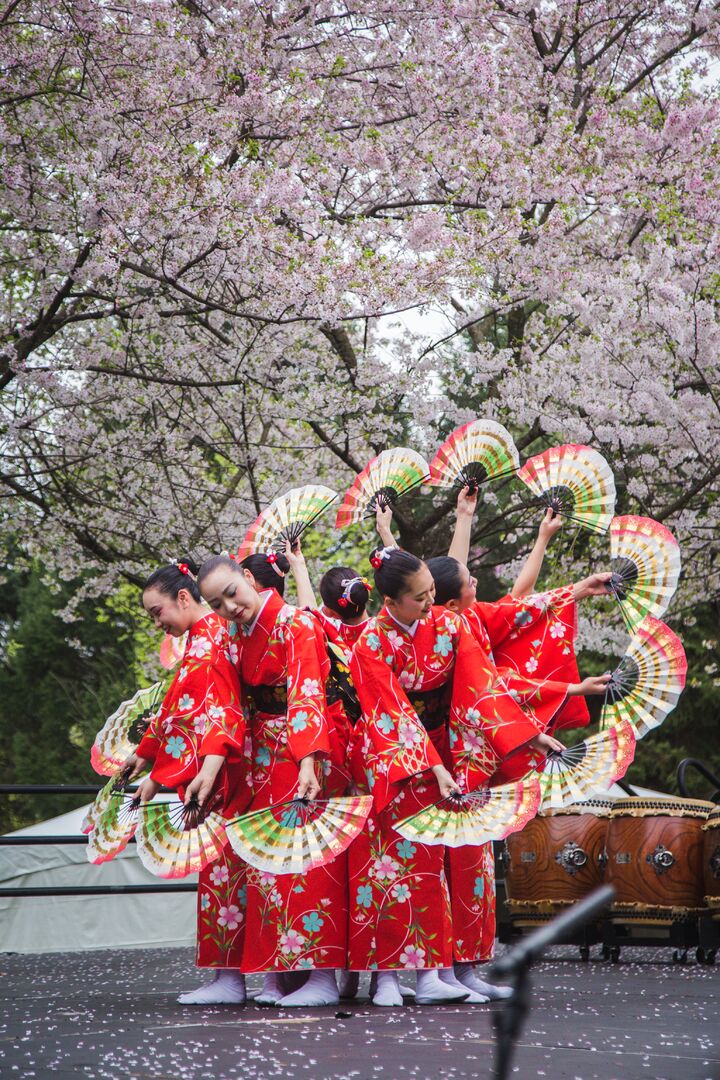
(467, 975)
(320, 989)
(271, 991)
(227, 988)
(448, 976)
(431, 990)
(387, 989)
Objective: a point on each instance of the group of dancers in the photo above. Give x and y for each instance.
(439, 692)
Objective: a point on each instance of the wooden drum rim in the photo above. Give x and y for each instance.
(673, 807)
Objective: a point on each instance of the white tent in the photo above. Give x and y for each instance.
(69, 923)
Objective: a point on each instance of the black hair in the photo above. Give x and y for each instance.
(392, 574)
(446, 575)
(213, 563)
(332, 590)
(271, 575)
(170, 579)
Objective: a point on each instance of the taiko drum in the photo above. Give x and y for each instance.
(557, 858)
(655, 854)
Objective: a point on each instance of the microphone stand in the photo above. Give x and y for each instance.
(514, 967)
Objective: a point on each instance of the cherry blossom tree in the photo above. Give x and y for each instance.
(214, 211)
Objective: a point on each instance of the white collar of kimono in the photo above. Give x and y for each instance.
(408, 629)
(247, 630)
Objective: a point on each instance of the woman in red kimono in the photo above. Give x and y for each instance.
(429, 695)
(294, 922)
(531, 640)
(196, 744)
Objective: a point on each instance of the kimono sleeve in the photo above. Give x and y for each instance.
(307, 670)
(487, 724)
(540, 645)
(511, 617)
(400, 742)
(224, 729)
(151, 741)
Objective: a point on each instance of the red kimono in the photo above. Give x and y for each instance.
(202, 714)
(340, 638)
(531, 640)
(295, 922)
(430, 695)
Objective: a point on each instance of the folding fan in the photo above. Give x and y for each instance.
(590, 767)
(476, 817)
(300, 835)
(174, 840)
(172, 650)
(481, 450)
(122, 731)
(381, 483)
(647, 683)
(115, 785)
(114, 828)
(286, 519)
(645, 567)
(574, 481)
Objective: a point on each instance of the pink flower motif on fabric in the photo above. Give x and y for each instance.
(413, 957)
(291, 943)
(230, 917)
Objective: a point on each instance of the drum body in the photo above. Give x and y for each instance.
(711, 860)
(556, 859)
(655, 856)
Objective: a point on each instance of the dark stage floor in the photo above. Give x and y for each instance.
(105, 1015)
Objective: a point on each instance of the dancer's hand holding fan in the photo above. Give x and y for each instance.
(381, 483)
(299, 835)
(475, 453)
(575, 482)
(285, 520)
(122, 731)
(474, 817)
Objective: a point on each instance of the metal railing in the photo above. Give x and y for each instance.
(34, 840)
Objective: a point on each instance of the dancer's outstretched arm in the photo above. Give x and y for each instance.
(466, 506)
(527, 578)
(299, 570)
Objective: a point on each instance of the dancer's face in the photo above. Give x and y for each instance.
(467, 594)
(174, 617)
(416, 600)
(230, 594)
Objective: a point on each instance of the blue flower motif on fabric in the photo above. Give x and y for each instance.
(299, 721)
(289, 819)
(175, 746)
(443, 645)
(312, 922)
(204, 902)
(364, 895)
(479, 889)
(369, 777)
(263, 756)
(242, 896)
(386, 723)
(373, 642)
(522, 618)
(406, 850)
(452, 736)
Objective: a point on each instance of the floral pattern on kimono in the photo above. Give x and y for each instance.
(294, 922)
(202, 714)
(534, 637)
(393, 668)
